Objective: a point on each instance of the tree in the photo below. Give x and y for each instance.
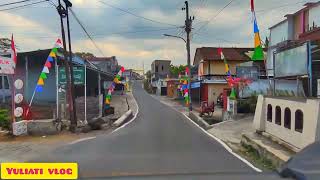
(176, 70)
(85, 55)
(148, 75)
(5, 44)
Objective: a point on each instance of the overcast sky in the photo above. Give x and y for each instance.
(136, 40)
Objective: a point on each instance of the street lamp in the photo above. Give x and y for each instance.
(168, 35)
(189, 66)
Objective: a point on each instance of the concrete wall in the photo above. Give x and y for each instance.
(214, 91)
(310, 109)
(217, 67)
(279, 33)
(314, 14)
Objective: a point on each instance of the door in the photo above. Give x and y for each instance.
(204, 92)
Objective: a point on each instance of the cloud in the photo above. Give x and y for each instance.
(38, 27)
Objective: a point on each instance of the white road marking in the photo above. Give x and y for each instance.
(83, 139)
(134, 117)
(226, 146)
(217, 139)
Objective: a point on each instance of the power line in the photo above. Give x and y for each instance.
(84, 29)
(138, 16)
(281, 6)
(25, 5)
(215, 16)
(17, 2)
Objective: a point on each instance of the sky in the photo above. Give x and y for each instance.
(136, 37)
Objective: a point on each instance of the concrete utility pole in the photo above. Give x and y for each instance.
(188, 28)
(70, 96)
(74, 121)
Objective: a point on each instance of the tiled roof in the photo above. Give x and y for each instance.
(231, 54)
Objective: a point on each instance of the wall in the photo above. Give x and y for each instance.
(314, 14)
(217, 67)
(279, 33)
(310, 109)
(214, 91)
(298, 29)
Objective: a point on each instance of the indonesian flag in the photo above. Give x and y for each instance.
(13, 52)
(221, 53)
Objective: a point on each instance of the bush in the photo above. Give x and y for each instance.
(247, 105)
(4, 119)
(147, 86)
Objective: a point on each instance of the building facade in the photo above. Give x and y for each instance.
(160, 70)
(212, 69)
(299, 27)
(106, 64)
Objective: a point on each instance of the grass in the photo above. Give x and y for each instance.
(253, 155)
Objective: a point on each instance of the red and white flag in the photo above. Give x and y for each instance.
(13, 52)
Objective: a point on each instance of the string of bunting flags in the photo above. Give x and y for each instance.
(258, 54)
(183, 86)
(232, 82)
(116, 80)
(48, 65)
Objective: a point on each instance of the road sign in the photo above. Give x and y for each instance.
(78, 75)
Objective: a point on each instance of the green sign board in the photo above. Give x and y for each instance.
(78, 75)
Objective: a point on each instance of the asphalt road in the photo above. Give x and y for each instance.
(159, 144)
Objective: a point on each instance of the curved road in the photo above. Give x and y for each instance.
(159, 142)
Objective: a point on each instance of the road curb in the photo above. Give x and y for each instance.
(123, 119)
(202, 123)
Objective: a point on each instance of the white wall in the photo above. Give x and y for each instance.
(279, 33)
(310, 109)
(314, 16)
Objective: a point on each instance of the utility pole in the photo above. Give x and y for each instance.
(74, 112)
(188, 28)
(62, 12)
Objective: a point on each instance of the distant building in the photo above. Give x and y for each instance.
(212, 69)
(159, 72)
(107, 64)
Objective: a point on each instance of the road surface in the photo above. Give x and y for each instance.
(160, 142)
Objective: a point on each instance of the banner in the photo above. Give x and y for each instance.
(7, 65)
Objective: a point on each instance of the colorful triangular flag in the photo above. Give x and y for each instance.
(48, 64)
(50, 59)
(39, 88)
(43, 75)
(45, 70)
(40, 81)
(52, 54)
(58, 44)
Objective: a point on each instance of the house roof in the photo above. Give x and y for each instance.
(231, 54)
(102, 58)
(306, 7)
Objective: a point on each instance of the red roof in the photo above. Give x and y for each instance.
(231, 54)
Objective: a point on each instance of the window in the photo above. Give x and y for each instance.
(287, 118)
(6, 82)
(269, 113)
(162, 67)
(278, 115)
(299, 121)
(157, 69)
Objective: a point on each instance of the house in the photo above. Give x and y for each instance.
(298, 27)
(292, 116)
(160, 70)
(107, 64)
(212, 69)
(29, 67)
